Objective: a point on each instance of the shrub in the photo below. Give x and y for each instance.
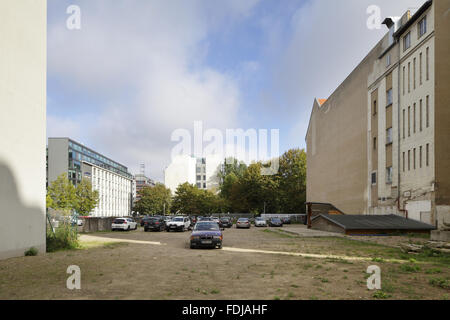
(31, 252)
(381, 295)
(64, 238)
(409, 268)
(440, 282)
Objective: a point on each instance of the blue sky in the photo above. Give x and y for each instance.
(139, 69)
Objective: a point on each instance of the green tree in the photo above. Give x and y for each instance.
(154, 200)
(61, 194)
(86, 198)
(292, 181)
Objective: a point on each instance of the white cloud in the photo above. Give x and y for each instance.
(328, 40)
(144, 59)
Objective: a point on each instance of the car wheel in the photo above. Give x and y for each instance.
(220, 246)
(182, 229)
(192, 246)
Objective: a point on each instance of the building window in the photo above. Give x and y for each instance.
(204, 185)
(409, 160)
(404, 80)
(374, 107)
(414, 74)
(404, 123)
(420, 68)
(428, 64)
(407, 41)
(414, 118)
(374, 178)
(388, 60)
(199, 178)
(409, 121)
(420, 156)
(389, 97)
(374, 143)
(389, 136)
(403, 162)
(409, 77)
(428, 112)
(422, 26)
(420, 115)
(389, 175)
(427, 159)
(414, 159)
(199, 185)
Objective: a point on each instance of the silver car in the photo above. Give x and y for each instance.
(260, 222)
(243, 223)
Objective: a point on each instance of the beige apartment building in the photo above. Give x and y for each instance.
(380, 143)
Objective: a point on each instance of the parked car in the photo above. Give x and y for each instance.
(193, 220)
(142, 220)
(286, 220)
(243, 223)
(216, 220)
(155, 224)
(206, 234)
(225, 222)
(275, 222)
(260, 222)
(179, 224)
(167, 219)
(124, 224)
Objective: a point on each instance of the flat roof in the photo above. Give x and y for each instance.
(375, 222)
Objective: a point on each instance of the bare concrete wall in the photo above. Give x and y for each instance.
(22, 125)
(442, 101)
(337, 170)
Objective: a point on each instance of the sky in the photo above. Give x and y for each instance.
(137, 70)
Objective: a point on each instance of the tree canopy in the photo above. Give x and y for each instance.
(153, 200)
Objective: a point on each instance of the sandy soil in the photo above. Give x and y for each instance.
(170, 270)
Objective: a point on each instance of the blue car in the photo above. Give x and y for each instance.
(206, 234)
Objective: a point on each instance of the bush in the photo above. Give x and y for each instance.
(31, 252)
(64, 238)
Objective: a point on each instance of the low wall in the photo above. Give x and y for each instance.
(94, 224)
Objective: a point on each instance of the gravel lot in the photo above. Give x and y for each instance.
(170, 270)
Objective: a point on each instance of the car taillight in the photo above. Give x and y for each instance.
(156, 222)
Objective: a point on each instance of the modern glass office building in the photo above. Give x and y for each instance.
(110, 178)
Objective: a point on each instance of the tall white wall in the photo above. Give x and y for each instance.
(180, 170)
(23, 31)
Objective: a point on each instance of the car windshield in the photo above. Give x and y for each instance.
(177, 219)
(224, 219)
(118, 221)
(243, 220)
(207, 226)
(276, 220)
(259, 219)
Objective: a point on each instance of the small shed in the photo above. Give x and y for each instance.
(368, 224)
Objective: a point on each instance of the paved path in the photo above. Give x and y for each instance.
(88, 238)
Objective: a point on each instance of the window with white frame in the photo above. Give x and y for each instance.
(388, 135)
(422, 26)
(407, 41)
(389, 175)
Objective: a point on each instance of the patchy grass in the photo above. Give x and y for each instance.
(440, 282)
(379, 294)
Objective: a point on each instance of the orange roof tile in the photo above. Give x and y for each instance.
(321, 101)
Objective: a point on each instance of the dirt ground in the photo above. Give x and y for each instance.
(170, 270)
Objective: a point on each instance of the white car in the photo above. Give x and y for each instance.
(124, 224)
(179, 224)
(260, 222)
